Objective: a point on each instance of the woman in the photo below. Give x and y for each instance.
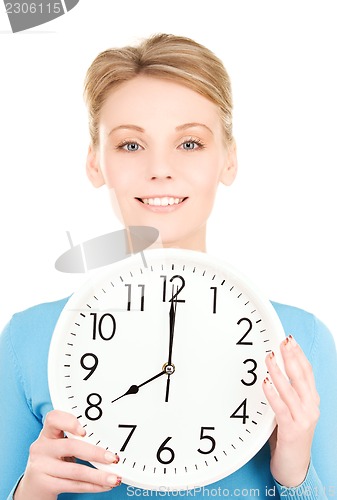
(161, 140)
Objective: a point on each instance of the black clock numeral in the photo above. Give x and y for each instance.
(215, 291)
(105, 327)
(174, 296)
(252, 371)
(243, 414)
(94, 412)
(249, 328)
(141, 296)
(165, 449)
(124, 426)
(91, 365)
(210, 438)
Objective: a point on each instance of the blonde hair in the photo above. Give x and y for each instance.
(165, 56)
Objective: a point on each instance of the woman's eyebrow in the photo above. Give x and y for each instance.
(127, 126)
(191, 125)
(179, 128)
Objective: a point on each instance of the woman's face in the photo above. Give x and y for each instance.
(161, 153)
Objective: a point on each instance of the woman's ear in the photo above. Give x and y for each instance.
(93, 168)
(230, 168)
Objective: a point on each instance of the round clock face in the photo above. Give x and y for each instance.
(162, 361)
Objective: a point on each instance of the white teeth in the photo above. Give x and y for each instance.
(162, 202)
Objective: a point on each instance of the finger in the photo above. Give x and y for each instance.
(281, 410)
(299, 370)
(82, 474)
(58, 422)
(62, 485)
(84, 451)
(285, 390)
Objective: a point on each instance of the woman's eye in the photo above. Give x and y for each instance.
(130, 146)
(191, 145)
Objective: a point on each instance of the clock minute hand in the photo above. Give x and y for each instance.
(172, 314)
(133, 389)
(169, 367)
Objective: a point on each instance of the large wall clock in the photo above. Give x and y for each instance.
(162, 361)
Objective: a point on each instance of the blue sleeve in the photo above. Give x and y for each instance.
(19, 427)
(324, 450)
(310, 489)
(11, 495)
(321, 479)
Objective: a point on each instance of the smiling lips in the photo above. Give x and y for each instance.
(163, 201)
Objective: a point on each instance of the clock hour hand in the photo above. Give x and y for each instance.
(133, 389)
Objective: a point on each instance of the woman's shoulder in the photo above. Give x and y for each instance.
(293, 316)
(24, 347)
(46, 311)
(306, 328)
(34, 326)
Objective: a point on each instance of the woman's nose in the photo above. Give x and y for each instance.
(160, 167)
(159, 175)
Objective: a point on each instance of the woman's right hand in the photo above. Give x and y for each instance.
(51, 467)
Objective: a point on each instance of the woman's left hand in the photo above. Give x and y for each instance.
(296, 405)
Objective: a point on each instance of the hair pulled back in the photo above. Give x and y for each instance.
(166, 56)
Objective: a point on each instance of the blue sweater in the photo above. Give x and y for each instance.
(25, 401)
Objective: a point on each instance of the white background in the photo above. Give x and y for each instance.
(277, 223)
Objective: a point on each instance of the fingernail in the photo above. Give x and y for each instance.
(286, 343)
(266, 381)
(110, 457)
(292, 340)
(272, 358)
(112, 480)
(289, 342)
(81, 431)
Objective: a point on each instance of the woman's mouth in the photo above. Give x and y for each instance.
(163, 201)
